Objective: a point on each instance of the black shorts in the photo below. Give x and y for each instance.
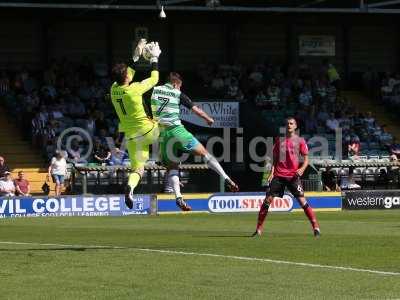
(278, 184)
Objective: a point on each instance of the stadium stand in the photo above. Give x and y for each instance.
(53, 100)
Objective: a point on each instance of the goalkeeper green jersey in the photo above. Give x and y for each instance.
(127, 102)
(165, 102)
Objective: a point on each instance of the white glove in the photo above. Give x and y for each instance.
(155, 51)
(137, 52)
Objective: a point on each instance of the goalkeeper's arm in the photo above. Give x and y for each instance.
(145, 85)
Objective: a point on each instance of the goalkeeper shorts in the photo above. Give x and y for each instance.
(139, 146)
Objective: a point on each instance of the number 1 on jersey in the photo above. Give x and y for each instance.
(121, 104)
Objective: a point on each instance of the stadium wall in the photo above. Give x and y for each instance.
(188, 39)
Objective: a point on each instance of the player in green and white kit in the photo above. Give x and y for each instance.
(165, 102)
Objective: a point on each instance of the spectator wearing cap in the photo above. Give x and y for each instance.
(57, 170)
(22, 186)
(3, 167)
(7, 188)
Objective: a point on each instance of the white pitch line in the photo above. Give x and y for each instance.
(243, 258)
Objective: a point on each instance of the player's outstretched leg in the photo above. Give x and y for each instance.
(310, 215)
(262, 214)
(173, 179)
(213, 164)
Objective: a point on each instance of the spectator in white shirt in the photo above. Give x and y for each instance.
(7, 187)
(57, 170)
(332, 123)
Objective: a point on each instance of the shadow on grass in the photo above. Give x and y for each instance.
(227, 236)
(59, 249)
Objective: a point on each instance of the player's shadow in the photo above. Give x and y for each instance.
(219, 236)
(58, 249)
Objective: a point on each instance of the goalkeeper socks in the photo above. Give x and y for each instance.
(173, 180)
(262, 215)
(213, 164)
(134, 179)
(310, 215)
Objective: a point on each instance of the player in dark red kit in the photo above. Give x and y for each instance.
(286, 172)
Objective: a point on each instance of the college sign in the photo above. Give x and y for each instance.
(70, 206)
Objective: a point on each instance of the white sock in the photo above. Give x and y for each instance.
(173, 180)
(214, 165)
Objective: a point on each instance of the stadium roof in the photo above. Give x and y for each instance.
(295, 6)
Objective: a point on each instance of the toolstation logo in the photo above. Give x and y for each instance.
(247, 203)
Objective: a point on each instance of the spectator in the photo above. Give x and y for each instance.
(354, 146)
(369, 120)
(274, 93)
(7, 187)
(57, 170)
(332, 123)
(310, 123)
(256, 77)
(84, 91)
(22, 186)
(100, 123)
(76, 108)
(329, 180)
(261, 99)
(217, 84)
(101, 154)
(305, 97)
(334, 77)
(322, 116)
(117, 157)
(394, 149)
(74, 152)
(3, 167)
(321, 88)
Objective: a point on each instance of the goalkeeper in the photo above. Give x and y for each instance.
(165, 102)
(126, 96)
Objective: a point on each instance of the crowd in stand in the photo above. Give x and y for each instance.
(10, 187)
(70, 94)
(311, 93)
(65, 95)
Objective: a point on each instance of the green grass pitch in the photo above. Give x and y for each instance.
(69, 267)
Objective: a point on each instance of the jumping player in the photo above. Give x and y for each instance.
(140, 131)
(286, 172)
(165, 102)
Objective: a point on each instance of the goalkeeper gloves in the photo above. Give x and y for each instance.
(155, 51)
(139, 49)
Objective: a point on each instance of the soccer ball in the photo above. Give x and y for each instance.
(146, 51)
